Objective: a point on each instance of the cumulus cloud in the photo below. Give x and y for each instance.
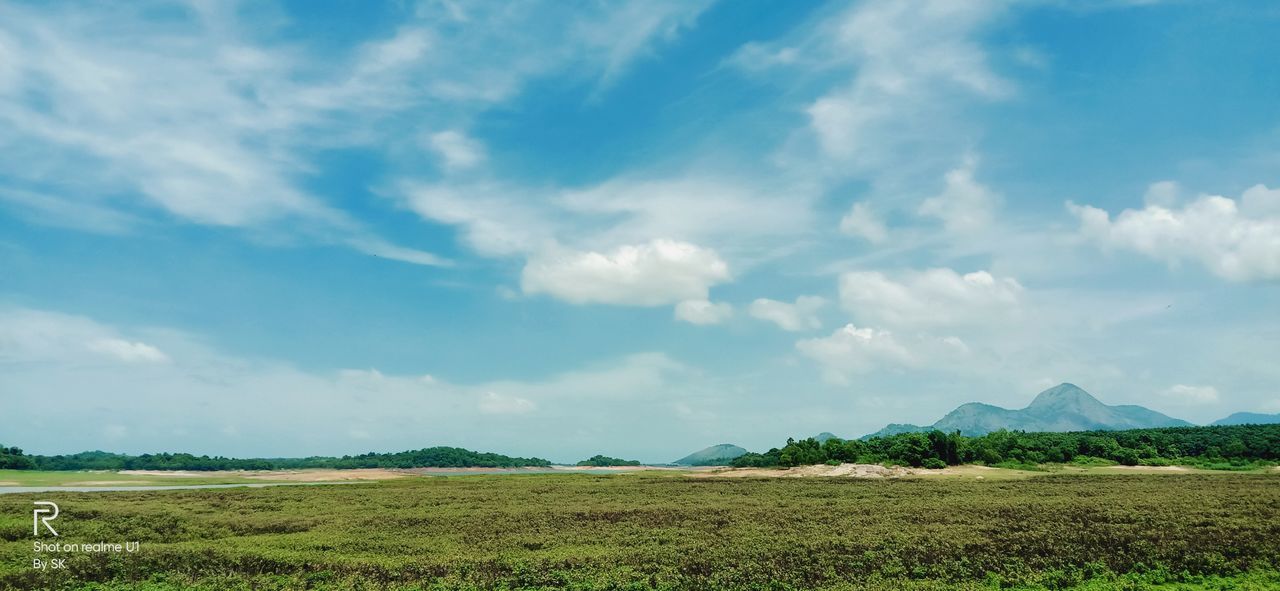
(703, 312)
(864, 223)
(131, 352)
(1185, 394)
(655, 273)
(1235, 241)
(492, 403)
(851, 350)
(933, 297)
(797, 316)
(964, 205)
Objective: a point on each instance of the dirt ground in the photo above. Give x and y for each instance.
(860, 471)
(325, 475)
(166, 473)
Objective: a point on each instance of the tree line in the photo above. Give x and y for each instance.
(432, 457)
(1220, 447)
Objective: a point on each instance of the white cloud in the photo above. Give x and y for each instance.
(1162, 194)
(851, 350)
(456, 150)
(1238, 242)
(1258, 201)
(798, 316)
(492, 403)
(492, 223)
(1185, 394)
(703, 312)
(197, 117)
(131, 352)
(380, 248)
(933, 297)
(695, 208)
(63, 212)
(36, 336)
(204, 393)
(911, 59)
(862, 222)
(655, 273)
(965, 205)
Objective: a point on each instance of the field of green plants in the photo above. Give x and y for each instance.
(670, 531)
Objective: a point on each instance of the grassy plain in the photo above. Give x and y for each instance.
(111, 478)
(669, 531)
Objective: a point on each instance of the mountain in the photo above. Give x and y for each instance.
(826, 435)
(1065, 407)
(1248, 418)
(716, 455)
(896, 429)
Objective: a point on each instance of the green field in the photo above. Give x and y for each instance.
(670, 531)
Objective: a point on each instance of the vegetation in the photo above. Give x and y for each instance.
(658, 531)
(1223, 447)
(431, 457)
(12, 458)
(605, 461)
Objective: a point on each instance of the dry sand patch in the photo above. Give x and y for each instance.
(870, 471)
(167, 473)
(322, 475)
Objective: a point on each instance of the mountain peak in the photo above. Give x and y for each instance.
(716, 455)
(1064, 396)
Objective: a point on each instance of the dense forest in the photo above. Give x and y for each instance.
(1224, 447)
(605, 461)
(431, 457)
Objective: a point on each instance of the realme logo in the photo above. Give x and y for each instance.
(45, 512)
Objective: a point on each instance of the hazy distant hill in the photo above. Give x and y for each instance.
(716, 455)
(896, 429)
(1248, 418)
(825, 435)
(1064, 407)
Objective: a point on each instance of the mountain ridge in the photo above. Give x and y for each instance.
(1065, 407)
(1248, 418)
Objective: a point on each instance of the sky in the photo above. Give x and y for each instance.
(635, 228)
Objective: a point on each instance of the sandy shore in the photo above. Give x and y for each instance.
(322, 475)
(873, 471)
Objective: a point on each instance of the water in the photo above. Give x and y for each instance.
(44, 489)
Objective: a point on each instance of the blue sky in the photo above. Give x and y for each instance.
(633, 228)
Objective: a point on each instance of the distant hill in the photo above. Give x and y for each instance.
(431, 457)
(1248, 418)
(825, 435)
(716, 455)
(896, 429)
(606, 461)
(1065, 407)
